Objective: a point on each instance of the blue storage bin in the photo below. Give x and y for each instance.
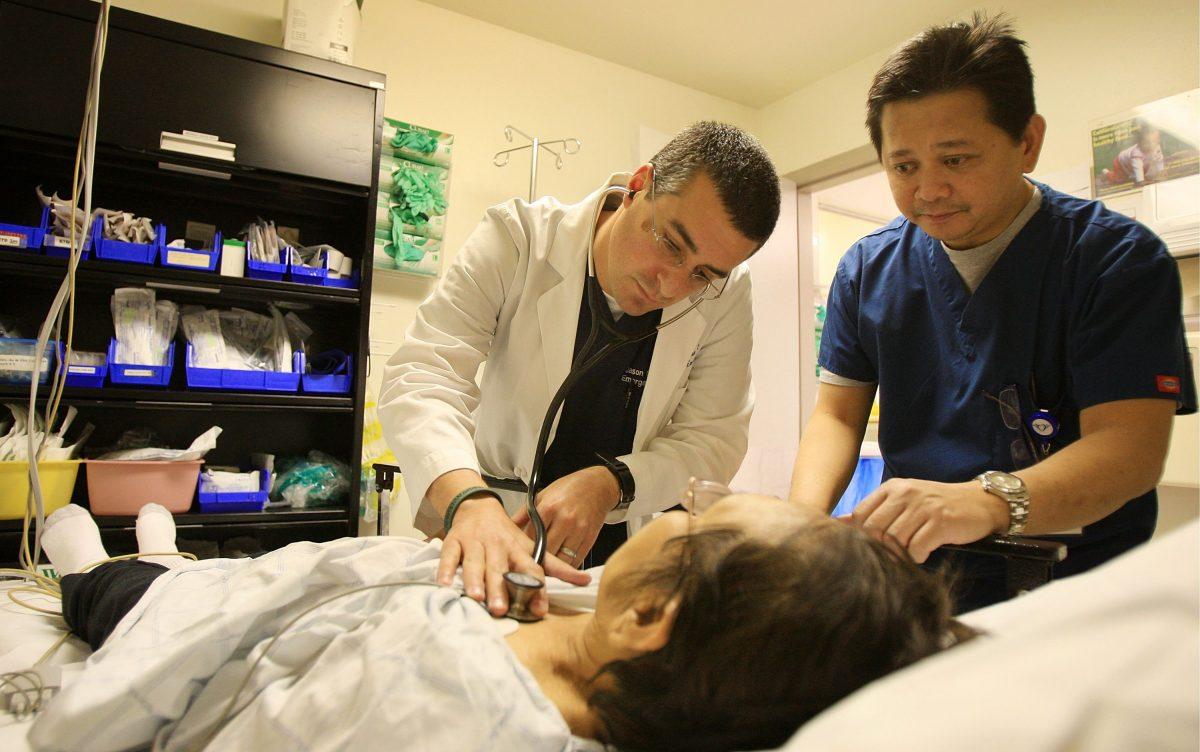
(231, 379)
(52, 245)
(22, 237)
(119, 250)
(189, 258)
(249, 501)
(338, 382)
(307, 275)
(265, 269)
(137, 374)
(17, 360)
(88, 377)
(346, 282)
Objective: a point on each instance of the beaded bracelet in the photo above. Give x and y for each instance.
(462, 496)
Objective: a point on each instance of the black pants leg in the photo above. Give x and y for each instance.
(94, 602)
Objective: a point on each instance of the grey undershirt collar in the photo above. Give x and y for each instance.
(973, 264)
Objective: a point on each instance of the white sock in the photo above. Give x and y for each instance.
(156, 534)
(71, 540)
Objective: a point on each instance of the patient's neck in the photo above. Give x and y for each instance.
(564, 653)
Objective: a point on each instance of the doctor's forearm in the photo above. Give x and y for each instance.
(448, 485)
(1095, 476)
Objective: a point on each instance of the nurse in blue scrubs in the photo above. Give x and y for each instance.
(1027, 346)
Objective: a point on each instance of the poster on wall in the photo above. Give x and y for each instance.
(1152, 143)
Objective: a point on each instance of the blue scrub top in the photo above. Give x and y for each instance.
(1082, 308)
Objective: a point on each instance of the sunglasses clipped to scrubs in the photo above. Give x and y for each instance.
(521, 587)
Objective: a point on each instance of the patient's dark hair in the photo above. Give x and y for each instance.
(767, 635)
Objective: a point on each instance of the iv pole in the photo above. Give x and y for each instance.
(569, 146)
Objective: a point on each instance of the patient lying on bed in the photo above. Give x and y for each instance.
(724, 631)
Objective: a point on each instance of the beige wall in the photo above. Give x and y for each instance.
(836, 232)
(1089, 59)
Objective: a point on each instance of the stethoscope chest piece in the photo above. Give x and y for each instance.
(521, 588)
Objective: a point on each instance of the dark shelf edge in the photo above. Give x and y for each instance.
(190, 519)
(123, 397)
(37, 265)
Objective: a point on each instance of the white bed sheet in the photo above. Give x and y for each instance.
(24, 637)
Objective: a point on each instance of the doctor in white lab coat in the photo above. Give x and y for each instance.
(673, 232)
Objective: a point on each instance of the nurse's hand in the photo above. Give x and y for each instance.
(921, 515)
(573, 509)
(487, 544)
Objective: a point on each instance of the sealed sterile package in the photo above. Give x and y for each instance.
(280, 342)
(203, 444)
(166, 322)
(133, 312)
(221, 481)
(247, 340)
(299, 331)
(316, 480)
(202, 327)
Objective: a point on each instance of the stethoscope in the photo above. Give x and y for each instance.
(522, 587)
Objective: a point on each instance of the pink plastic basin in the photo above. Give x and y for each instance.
(122, 488)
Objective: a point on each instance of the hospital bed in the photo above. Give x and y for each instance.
(1108, 660)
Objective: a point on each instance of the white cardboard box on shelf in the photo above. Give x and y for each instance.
(322, 28)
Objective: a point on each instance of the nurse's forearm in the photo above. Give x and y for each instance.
(825, 461)
(1119, 457)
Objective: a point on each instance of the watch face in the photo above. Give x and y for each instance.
(1005, 482)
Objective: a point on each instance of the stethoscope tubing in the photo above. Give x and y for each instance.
(580, 365)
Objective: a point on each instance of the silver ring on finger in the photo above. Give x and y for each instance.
(572, 553)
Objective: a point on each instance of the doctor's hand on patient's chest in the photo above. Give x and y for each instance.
(573, 509)
(921, 515)
(488, 544)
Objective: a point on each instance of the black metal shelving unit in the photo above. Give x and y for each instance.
(307, 134)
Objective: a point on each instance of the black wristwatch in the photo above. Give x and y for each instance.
(624, 480)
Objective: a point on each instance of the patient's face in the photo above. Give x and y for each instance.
(753, 515)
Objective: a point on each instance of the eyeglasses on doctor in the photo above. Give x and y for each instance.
(706, 288)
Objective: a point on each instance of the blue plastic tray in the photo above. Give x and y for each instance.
(266, 269)
(59, 247)
(331, 383)
(189, 258)
(307, 275)
(230, 379)
(20, 238)
(136, 374)
(249, 501)
(118, 250)
(15, 357)
(348, 282)
(88, 377)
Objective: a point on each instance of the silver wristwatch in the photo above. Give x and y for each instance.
(1012, 489)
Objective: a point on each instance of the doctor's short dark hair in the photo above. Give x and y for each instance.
(737, 164)
(984, 55)
(767, 635)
